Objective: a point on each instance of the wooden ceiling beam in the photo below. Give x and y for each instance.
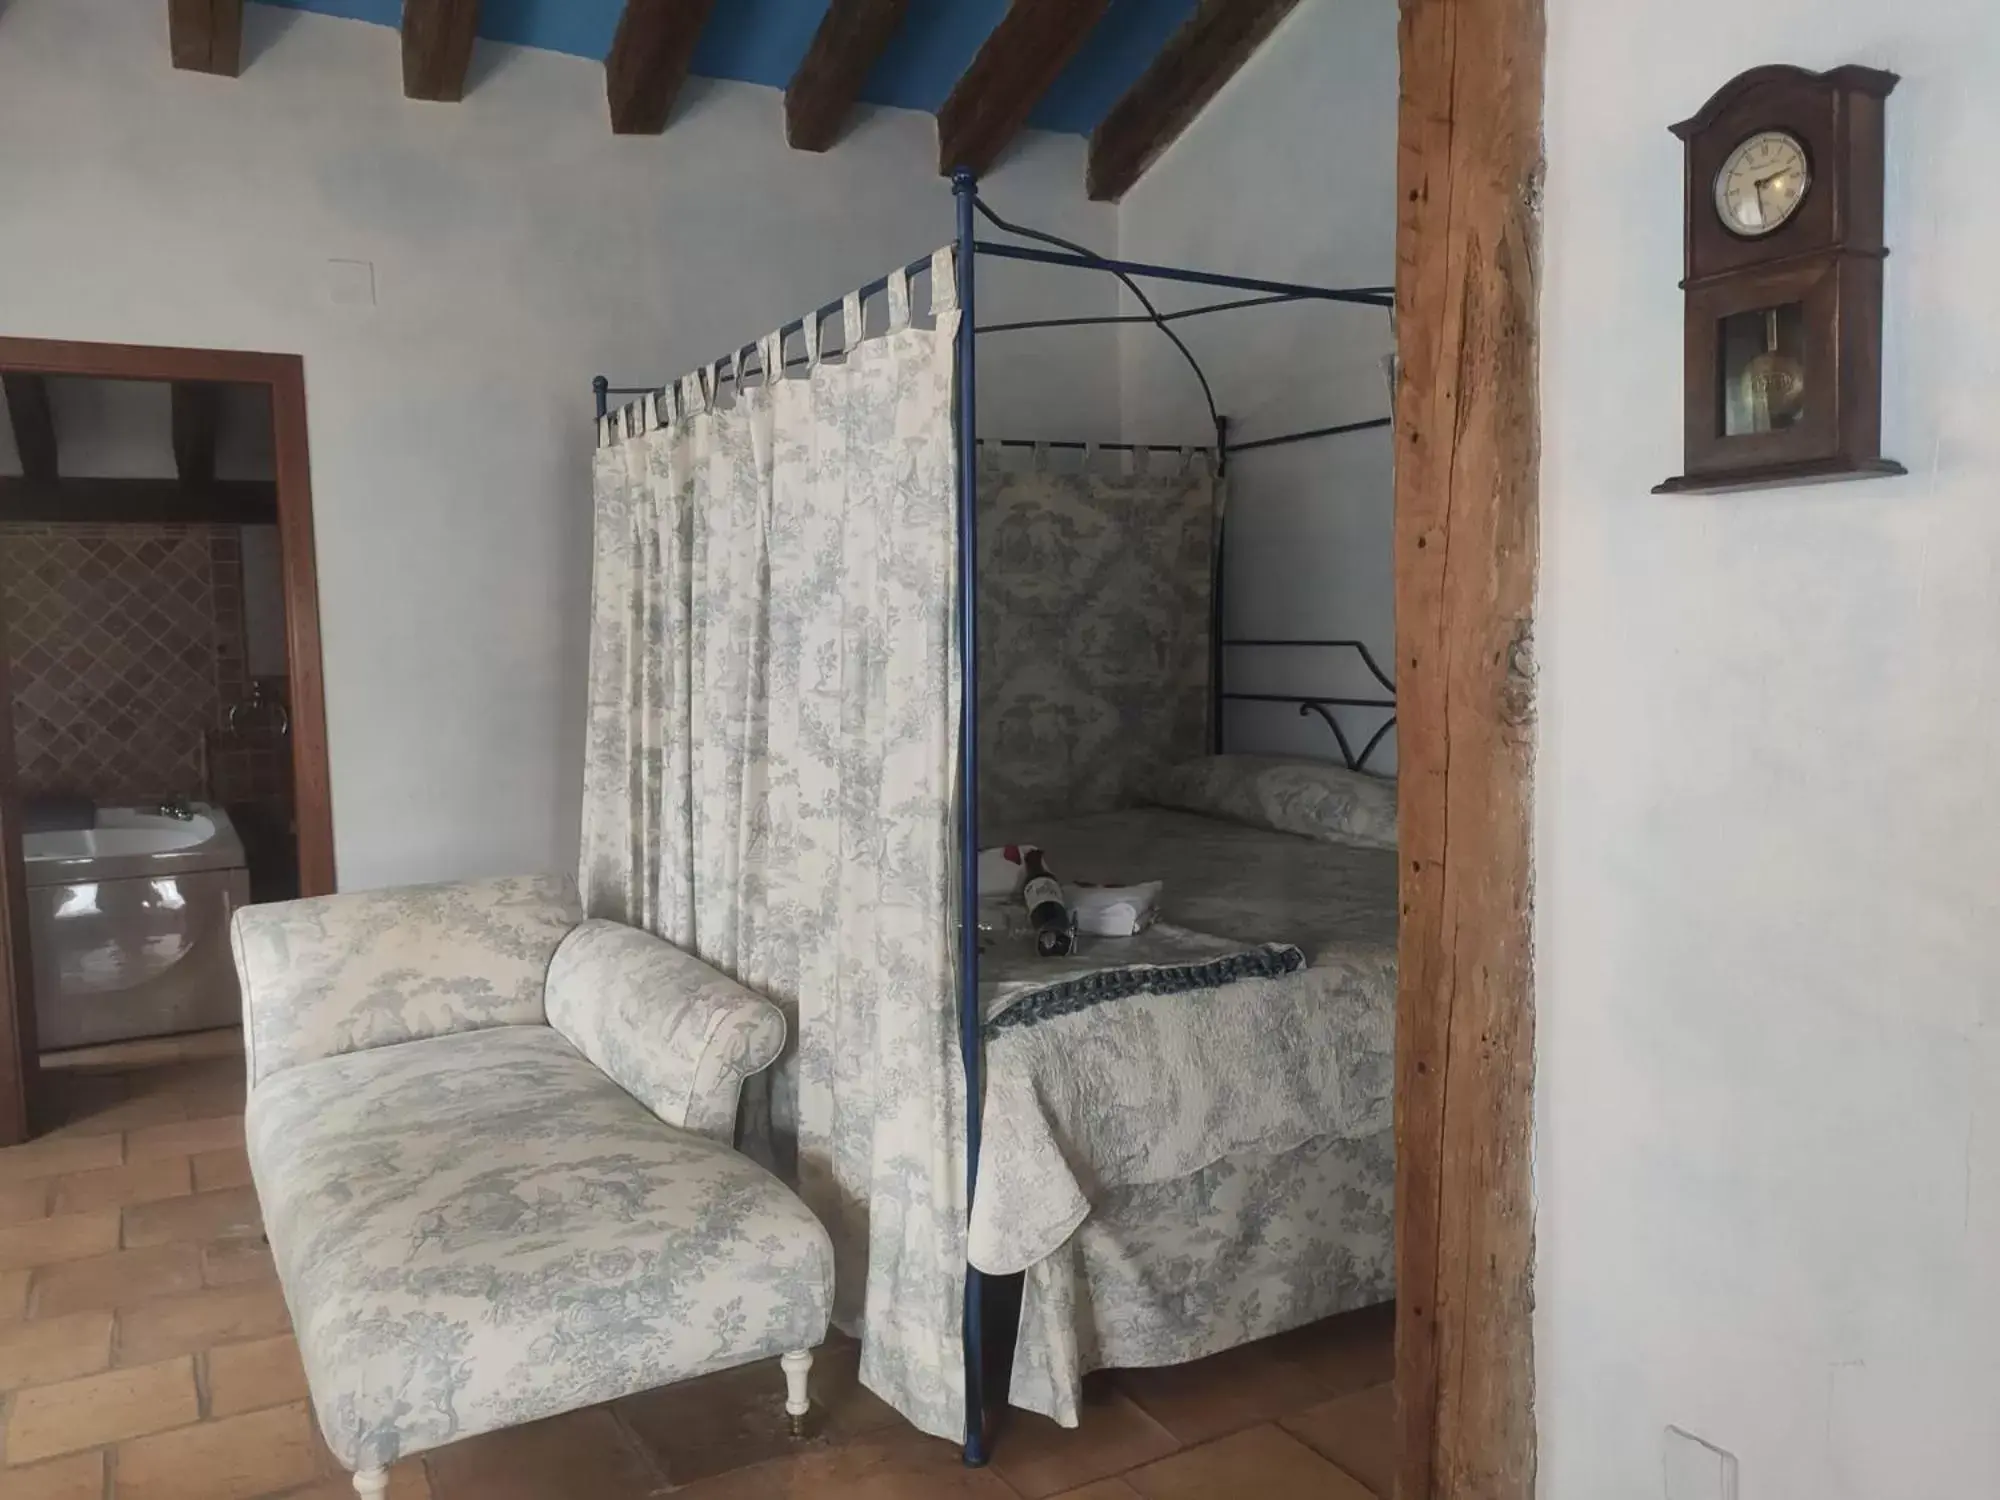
(206, 36)
(197, 410)
(1202, 56)
(437, 48)
(224, 502)
(649, 61)
(844, 50)
(1014, 67)
(34, 423)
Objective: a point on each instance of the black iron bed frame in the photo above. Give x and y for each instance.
(1053, 251)
(1322, 706)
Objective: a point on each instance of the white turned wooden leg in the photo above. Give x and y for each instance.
(797, 1403)
(371, 1484)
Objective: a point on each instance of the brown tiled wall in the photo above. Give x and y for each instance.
(225, 566)
(253, 761)
(127, 646)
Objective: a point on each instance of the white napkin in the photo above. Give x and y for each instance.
(1114, 911)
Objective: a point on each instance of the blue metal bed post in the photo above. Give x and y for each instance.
(1215, 585)
(965, 189)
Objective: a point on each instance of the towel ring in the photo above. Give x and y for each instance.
(236, 710)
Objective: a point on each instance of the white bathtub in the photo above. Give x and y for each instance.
(128, 924)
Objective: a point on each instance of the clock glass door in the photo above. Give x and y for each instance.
(1763, 374)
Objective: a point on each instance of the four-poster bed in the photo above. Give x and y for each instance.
(1335, 1002)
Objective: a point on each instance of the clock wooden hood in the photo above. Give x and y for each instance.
(1852, 77)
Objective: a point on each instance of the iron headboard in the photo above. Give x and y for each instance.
(1312, 704)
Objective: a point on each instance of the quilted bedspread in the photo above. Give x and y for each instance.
(1096, 1081)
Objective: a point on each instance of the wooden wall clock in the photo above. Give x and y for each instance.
(1784, 281)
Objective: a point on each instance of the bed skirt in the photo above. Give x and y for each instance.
(1250, 1246)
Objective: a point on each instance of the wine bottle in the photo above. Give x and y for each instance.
(1043, 896)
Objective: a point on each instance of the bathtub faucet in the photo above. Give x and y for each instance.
(176, 806)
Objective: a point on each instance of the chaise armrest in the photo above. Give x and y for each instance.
(334, 974)
(674, 1033)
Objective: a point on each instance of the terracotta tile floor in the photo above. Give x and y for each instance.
(145, 1355)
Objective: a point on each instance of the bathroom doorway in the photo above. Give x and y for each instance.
(162, 720)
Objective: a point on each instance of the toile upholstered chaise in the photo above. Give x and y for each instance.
(492, 1144)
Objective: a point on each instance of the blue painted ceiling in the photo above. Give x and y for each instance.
(762, 41)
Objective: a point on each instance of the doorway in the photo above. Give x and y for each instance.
(125, 583)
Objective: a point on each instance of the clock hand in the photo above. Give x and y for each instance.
(1764, 182)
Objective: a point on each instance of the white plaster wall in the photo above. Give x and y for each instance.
(1290, 174)
(516, 248)
(1768, 826)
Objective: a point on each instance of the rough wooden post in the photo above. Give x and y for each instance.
(1467, 436)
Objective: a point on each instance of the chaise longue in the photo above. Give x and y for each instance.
(492, 1141)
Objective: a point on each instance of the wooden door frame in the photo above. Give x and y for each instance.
(284, 376)
(1468, 188)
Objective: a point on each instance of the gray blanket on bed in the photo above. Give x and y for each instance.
(1131, 1081)
(1153, 1087)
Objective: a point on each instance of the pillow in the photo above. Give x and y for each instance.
(1289, 796)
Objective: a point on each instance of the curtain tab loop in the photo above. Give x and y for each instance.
(944, 281)
(850, 324)
(899, 300)
(809, 326)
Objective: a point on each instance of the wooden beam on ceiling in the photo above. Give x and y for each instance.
(437, 47)
(34, 423)
(1015, 66)
(1202, 56)
(206, 36)
(850, 38)
(649, 61)
(222, 502)
(197, 409)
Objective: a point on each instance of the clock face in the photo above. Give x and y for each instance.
(1762, 183)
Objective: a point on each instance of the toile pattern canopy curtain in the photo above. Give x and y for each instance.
(770, 774)
(1095, 586)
